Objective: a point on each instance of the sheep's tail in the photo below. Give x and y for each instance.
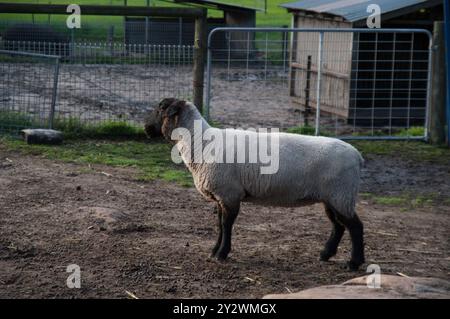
(362, 162)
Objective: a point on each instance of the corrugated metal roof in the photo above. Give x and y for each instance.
(351, 10)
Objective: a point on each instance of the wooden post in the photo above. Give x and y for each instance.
(199, 60)
(125, 3)
(437, 119)
(447, 63)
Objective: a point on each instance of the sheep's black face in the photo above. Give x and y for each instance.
(153, 122)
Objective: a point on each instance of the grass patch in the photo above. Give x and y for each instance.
(408, 150)
(73, 128)
(14, 121)
(304, 130)
(275, 16)
(405, 201)
(390, 200)
(412, 131)
(151, 159)
(307, 130)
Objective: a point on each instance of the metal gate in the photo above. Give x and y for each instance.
(346, 83)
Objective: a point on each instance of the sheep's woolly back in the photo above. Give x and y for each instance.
(311, 169)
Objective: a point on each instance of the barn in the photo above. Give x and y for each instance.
(366, 77)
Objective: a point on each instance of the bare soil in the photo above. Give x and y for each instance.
(153, 238)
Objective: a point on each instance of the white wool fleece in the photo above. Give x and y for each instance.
(311, 169)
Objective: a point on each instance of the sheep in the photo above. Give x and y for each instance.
(311, 170)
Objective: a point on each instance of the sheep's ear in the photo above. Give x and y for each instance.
(175, 108)
(165, 103)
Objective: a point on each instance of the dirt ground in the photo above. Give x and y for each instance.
(153, 238)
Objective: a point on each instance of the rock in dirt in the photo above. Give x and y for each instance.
(106, 215)
(111, 220)
(392, 287)
(42, 136)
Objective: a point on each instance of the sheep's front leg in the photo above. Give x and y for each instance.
(218, 211)
(229, 214)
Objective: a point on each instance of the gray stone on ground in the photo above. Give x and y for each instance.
(42, 136)
(392, 287)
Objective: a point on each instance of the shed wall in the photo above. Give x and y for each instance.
(336, 64)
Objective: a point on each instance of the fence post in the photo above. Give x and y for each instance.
(285, 47)
(199, 60)
(319, 80)
(111, 40)
(307, 91)
(438, 87)
(208, 78)
(447, 59)
(147, 29)
(54, 94)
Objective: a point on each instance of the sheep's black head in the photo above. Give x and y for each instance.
(163, 119)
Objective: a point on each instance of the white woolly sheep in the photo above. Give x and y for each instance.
(311, 170)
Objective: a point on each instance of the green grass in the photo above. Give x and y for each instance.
(304, 130)
(151, 159)
(275, 16)
(412, 131)
(307, 130)
(408, 150)
(73, 128)
(404, 201)
(415, 131)
(14, 121)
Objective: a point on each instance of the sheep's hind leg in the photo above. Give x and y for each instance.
(356, 229)
(337, 232)
(229, 214)
(218, 211)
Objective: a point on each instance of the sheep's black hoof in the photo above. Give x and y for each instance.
(221, 255)
(325, 255)
(354, 265)
(213, 252)
(221, 259)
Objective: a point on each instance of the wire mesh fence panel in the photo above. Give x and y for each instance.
(28, 84)
(112, 70)
(102, 82)
(348, 83)
(105, 81)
